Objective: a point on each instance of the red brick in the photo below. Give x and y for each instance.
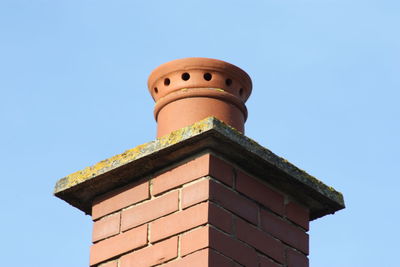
(261, 193)
(296, 259)
(218, 260)
(106, 227)
(110, 264)
(195, 240)
(285, 231)
(221, 170)
(150, 210)
(220, 218)
(298, 214)
(181, 174)
(119, 199)
(202, 258)
(260, 240)
(117, 245)
(179, 222)
(190, 218)
(152, 255)
(233, 248)
(199, 192)
(264, 262)
(192, 170)
(197, 259)
(234, 202)
(195, 193)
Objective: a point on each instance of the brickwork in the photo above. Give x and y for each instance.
(204, 212)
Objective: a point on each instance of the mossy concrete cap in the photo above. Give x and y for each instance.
(207, 136)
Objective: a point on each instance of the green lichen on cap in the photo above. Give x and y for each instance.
(133, 154)
(210, 134)
(281, 163)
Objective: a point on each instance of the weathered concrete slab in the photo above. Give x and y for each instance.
(80, 188)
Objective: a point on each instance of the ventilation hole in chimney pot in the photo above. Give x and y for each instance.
(228, 82)
(185, 76)
(167, 81)
(207, 76)
(156, 90)
(241, 91)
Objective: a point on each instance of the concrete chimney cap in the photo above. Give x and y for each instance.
(199, 72)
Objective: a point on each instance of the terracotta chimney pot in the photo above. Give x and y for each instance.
(190, 89)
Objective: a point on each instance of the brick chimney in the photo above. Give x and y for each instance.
(202, 194)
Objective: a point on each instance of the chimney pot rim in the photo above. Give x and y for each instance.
(199, 63)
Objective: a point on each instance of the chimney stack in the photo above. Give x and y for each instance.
(202, 194)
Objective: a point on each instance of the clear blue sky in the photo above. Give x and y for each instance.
(326, 97)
